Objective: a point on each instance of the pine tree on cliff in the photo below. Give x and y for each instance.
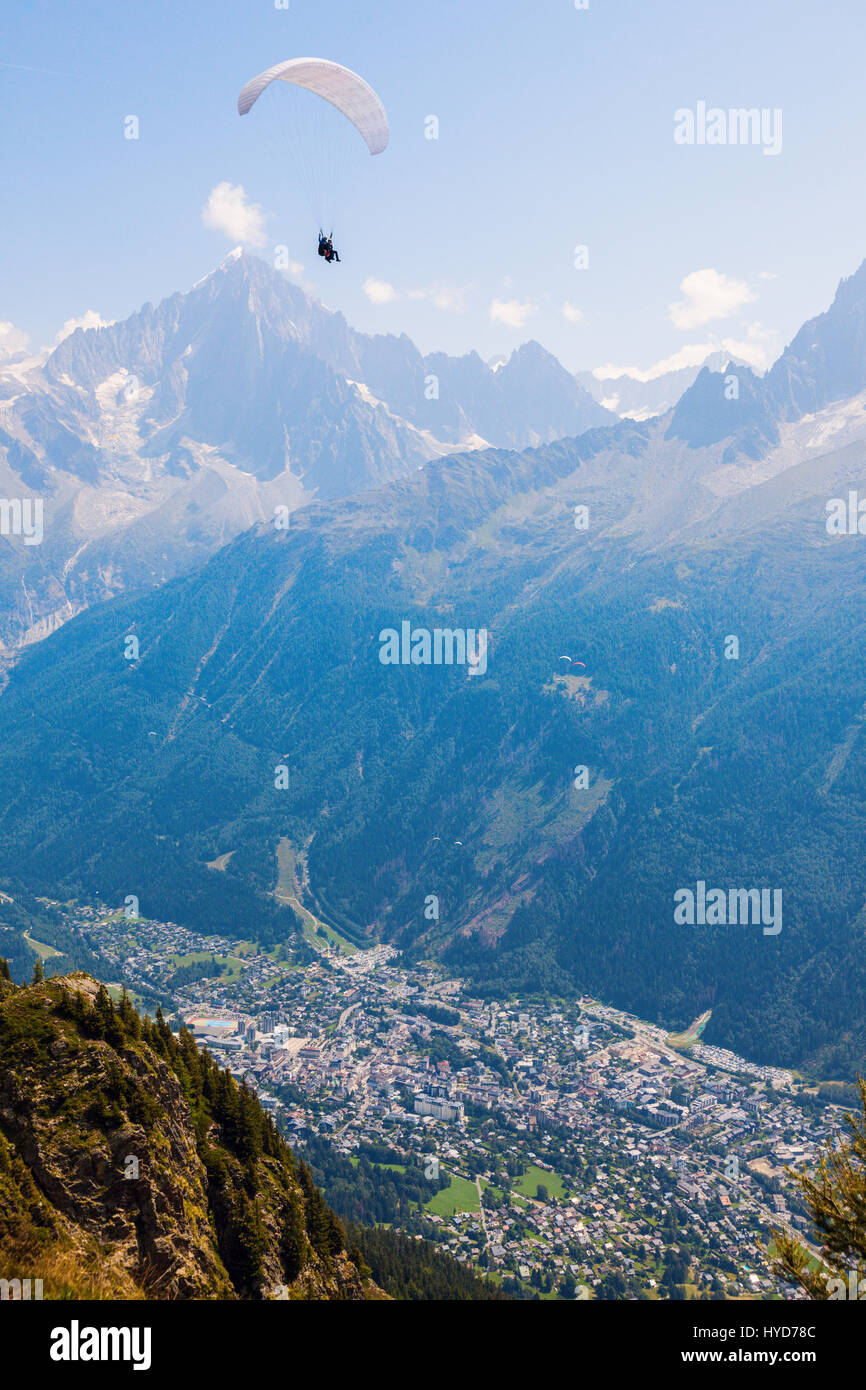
(129, 1016)
(108, 1023)
(293, 1241)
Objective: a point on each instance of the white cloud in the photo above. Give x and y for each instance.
(708, 295)
(89, 320)
(511, 312)
(13, 341)
(759, 348)
(450, 298)
(379, 291)
(571, 312)
(692, 355)
(228, 211)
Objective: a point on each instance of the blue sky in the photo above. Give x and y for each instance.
(556, 130)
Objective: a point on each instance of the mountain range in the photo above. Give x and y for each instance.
(154, 440)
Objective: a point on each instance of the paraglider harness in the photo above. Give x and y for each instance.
(326, 248)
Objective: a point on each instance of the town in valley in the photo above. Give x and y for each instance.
(564, 1148)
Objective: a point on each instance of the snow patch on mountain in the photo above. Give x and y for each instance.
(815, 434)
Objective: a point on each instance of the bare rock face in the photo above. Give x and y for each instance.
(119, 1177)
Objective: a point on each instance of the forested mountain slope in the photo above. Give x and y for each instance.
(131, 1166)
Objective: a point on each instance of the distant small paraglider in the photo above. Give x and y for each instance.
(458, 842)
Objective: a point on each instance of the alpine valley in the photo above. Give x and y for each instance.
(529, 824)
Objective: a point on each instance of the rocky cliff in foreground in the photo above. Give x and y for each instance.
(131, 1166)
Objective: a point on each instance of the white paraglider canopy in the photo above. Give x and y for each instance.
(344, 89)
